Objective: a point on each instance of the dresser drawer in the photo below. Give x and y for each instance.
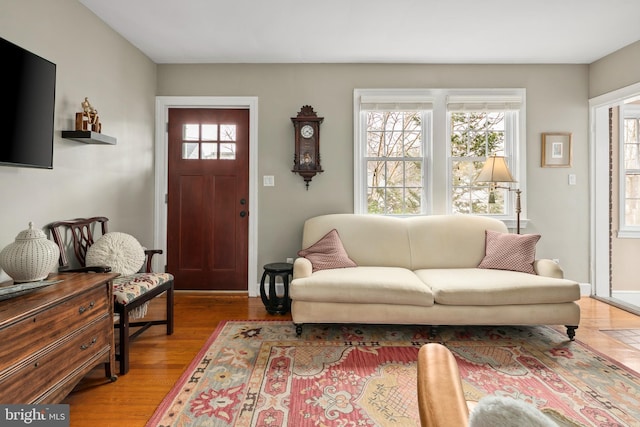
(55, 363)
(40, 330)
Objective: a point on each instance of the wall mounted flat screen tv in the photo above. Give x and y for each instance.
(27, 94)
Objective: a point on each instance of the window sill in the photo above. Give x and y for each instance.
(512, 223)
(628, 234)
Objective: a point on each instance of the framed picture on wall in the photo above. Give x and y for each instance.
(556, 150)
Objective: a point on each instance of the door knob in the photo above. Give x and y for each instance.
(243, 202)
(243, 214)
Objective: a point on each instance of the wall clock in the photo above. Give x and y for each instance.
(306, 158)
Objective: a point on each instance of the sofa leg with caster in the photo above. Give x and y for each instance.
(571, 332)
(298, 329)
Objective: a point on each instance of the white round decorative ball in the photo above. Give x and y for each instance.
(120, 251)
(31, 257)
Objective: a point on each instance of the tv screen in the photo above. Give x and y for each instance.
(27, 91)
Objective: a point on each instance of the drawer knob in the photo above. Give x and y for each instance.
(86, 346)
(82, 308)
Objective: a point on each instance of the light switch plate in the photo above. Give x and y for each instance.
(268, 181)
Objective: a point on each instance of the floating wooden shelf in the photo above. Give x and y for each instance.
(88, 137)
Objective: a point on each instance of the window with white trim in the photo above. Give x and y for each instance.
(417, 152)
(630, 172)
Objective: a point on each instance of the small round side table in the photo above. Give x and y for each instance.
(273, 303)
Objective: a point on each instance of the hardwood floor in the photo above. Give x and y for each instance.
(158, 360)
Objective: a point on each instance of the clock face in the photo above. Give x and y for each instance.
(306, 131)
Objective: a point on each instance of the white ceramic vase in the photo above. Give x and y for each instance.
(31, 257)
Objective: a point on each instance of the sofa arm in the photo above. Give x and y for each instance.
(441, 401)
(302, 268)
(548, 268)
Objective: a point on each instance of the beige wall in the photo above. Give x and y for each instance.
(86, 180)
(557, 100)
(615, 71)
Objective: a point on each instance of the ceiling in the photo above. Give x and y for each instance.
(373, 31)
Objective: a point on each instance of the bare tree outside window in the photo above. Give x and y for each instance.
(395, 165)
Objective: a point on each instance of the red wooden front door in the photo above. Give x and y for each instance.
(208, 204)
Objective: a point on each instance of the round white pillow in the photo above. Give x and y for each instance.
(120, 251)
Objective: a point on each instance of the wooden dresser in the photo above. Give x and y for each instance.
(52, 336)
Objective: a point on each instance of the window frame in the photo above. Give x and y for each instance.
(510, 148)
(625, 231)
(426, 119)
(437, 161)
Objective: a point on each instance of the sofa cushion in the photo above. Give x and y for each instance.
(449, 241)
(505, 251)
(477, 286)
(375, 240)
(327, 253)
(363, 285)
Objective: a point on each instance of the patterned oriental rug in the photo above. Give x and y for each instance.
(258, 373)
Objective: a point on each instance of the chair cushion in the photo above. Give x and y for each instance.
(120, 251)
(505, 251)
(128, 288)
(327, 253)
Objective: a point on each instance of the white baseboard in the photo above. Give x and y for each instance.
(585, 289)
(628, 297)
(254, 290)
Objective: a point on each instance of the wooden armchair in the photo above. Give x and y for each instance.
(441, 401)
(131, 293)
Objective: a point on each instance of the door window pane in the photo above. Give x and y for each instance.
(209, 132)
(227, 151)
(228, 133)
(191, 132)
(209, 150)
(190, 150)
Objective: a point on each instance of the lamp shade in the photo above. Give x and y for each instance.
(495, 169)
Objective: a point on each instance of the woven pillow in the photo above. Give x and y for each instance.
(327, 253)
(505, 251)
(120, 251)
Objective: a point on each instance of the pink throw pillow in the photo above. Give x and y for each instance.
(505, 251)
(327, 253)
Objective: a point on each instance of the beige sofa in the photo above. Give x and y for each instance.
(424, 270)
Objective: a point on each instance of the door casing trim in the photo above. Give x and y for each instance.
(599, 266)
(163, 103)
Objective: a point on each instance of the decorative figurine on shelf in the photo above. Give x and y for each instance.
(88, 119)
